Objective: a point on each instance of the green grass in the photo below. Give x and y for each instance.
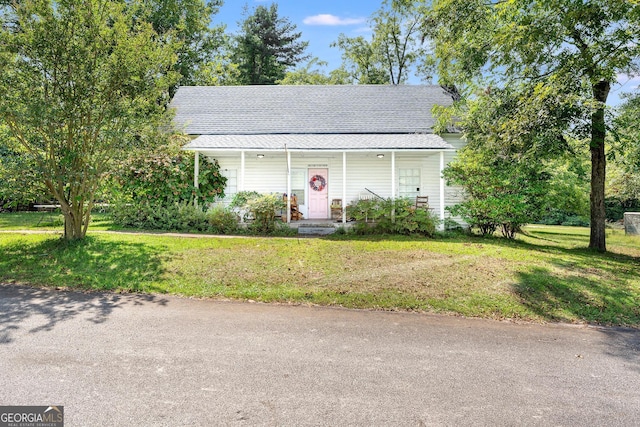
(48, 221)
(547, 275)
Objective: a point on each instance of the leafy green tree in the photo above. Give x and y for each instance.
(189, 23)
(572, 48)
(397, 37)
(19, 184)
(81, 80)
(623, 181)
(220, 70)
(396, 46)
(360, 60)
(569, 188)
(627, 132)
(509, 183)
(267, 46)
(308, 75)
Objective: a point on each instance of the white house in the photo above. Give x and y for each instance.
(322, 142)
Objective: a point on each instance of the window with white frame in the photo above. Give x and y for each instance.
(299, 184)
(409, 182)
(231, 188)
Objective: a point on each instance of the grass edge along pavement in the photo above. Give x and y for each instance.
(546, 275)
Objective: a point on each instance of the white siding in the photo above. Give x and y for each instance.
(364, 171)
(453, 194)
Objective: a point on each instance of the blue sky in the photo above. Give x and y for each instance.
(321, 21)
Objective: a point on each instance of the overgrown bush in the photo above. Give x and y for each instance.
(154, 216)
(165, 177)
(155, 191)
(262, 210)
(501, 192)
(239, 203)
(363, 211)
(182, 217)
(391, 216)
(222, 220)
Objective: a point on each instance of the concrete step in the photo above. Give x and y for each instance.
(316, 229)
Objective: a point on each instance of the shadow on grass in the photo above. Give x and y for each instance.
(563, 281)
(92, 264)
(582, 284)
(567, 297)
(596, 288)
(21, 306)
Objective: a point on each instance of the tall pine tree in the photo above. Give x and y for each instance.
(267, 46)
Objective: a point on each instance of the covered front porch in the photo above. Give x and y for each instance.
(341, 177)
(328, 172)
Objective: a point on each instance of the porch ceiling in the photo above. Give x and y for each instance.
(326, 142)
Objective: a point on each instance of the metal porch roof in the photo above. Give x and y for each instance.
(305, 142)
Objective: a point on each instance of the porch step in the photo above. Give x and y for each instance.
(316, 229)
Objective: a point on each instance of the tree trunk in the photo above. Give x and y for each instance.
(598, 168)
(74, 223)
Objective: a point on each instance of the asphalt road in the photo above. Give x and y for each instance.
(120, 360)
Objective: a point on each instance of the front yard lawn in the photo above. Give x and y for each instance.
(546, 275)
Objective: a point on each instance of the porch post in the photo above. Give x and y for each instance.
(393, 183)
(344, 187)
(393, 175)
(441, 189)
(241, 186)
(196, 174)
(288, 186)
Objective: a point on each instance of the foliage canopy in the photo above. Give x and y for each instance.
(395, 47)
(187, 22)
(164, 176)
(566, 51)
(81, 80)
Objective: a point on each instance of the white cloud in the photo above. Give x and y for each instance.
(332, 20)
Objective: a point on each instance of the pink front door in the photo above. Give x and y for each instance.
(318, 194)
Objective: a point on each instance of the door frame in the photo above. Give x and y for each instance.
(326, 210)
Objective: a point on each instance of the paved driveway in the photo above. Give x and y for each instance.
(118, 360)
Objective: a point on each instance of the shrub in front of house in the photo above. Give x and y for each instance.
(155, 191)
(165, 176)
(222, 220)
(391, 216)
(154, 216)
(262, 210)
(500, 192)
(181, 217)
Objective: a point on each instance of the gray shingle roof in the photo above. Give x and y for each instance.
(319, 142)
(345, 109)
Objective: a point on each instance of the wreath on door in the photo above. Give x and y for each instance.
(318, 183)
